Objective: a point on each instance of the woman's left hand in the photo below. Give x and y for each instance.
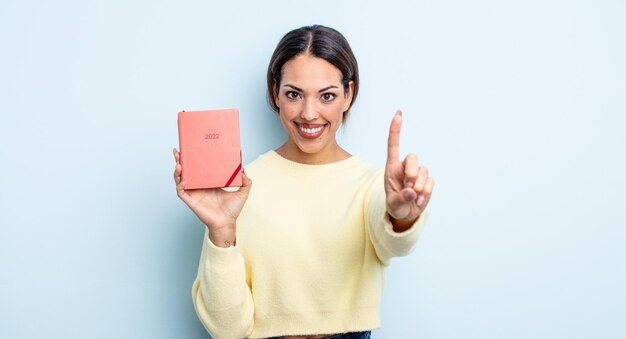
(407, 185)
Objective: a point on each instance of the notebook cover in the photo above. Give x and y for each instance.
(210, 151)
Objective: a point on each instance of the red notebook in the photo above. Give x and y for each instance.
(210, 152)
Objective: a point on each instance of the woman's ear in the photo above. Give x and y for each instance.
(349, 93)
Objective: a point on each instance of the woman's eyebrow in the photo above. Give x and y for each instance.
(327, 88)
(320, 91)
(294, 87)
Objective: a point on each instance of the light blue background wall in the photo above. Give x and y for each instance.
(516, 107)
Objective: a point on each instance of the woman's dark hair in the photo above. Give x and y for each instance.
(319, 41)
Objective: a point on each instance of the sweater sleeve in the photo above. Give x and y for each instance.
(386, 241)
(221, 295)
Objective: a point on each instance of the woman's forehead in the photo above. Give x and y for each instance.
(310, 71)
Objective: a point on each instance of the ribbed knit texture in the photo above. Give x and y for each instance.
(312, 245)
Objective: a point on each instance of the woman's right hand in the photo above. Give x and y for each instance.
(216, 208)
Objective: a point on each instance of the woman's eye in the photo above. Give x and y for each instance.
(328, 96)
(292, 95)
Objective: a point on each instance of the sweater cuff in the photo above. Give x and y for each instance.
(221, 256)
(407, 238)
(387, 242)
(221, 278)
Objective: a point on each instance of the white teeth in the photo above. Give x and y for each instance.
(311, 130)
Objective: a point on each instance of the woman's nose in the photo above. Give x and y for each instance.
(309, 110)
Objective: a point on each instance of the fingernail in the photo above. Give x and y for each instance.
(409, 196)
(420, 200)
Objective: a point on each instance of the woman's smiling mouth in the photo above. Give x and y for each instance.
(310, 131)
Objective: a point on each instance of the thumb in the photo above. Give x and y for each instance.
(400, 202)
(407, 195)
(246, 183)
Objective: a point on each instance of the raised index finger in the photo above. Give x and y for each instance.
(393, 143)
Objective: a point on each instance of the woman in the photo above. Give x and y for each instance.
(302, 252)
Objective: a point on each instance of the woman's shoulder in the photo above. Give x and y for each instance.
(257, 161)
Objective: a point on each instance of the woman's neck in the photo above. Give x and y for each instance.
(294, 153)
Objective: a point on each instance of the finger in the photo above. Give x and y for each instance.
(409, 194)
(397, 205)
(422, 178)
(177, 172)
(185, 196)
(182, 194)
(422, 202)
(411, 170)
(393, 143)
(406, 195)
(176, 156)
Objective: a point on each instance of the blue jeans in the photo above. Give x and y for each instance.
(349, 335)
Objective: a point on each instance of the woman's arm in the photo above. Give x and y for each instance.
(408, 186)
(397, 214)
(389, 243)
(221, 295)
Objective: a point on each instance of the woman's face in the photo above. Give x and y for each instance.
(311, 101)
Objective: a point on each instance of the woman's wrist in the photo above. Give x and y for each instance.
(400, 226)
(223, 239)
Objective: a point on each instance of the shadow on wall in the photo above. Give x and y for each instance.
(182, 268)
(261, 129)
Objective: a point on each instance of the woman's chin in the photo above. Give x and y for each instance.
(308, 149)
